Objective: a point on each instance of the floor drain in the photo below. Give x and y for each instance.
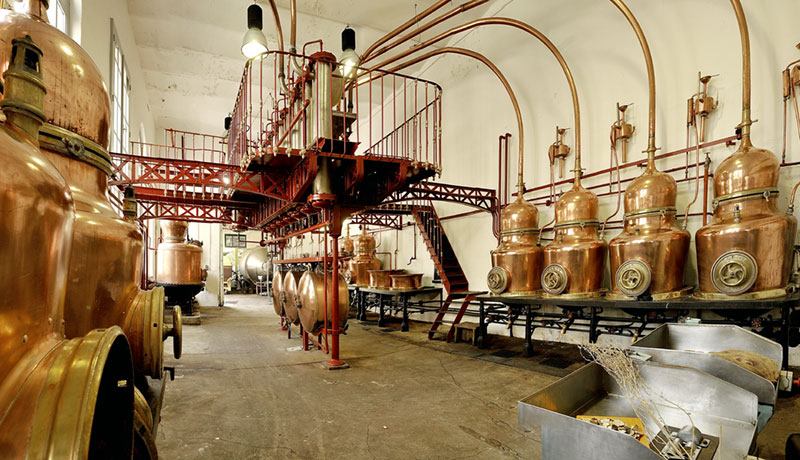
(505, 353)
(556, 362)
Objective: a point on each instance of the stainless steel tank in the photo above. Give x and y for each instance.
(255, 262)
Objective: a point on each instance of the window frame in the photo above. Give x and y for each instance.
(120, 96)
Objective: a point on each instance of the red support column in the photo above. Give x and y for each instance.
(336, 224)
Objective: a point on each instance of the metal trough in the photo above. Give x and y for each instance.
(691, 345)
(718, 408)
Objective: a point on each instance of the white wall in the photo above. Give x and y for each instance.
(95, 38)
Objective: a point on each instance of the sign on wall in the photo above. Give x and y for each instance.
(235, 240)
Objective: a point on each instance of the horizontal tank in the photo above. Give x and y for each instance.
(255, 262)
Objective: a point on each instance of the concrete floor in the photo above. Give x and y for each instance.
(243, 391)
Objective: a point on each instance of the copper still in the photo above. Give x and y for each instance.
(746, 249)
(101, 291)
(59, 398)
(311, 308)
(289, 295)
(517, 262)
(406, 281)
(346, 248)
(381, 278)
(179, 268)
(364, 259)
(649, 256)
(277, 289)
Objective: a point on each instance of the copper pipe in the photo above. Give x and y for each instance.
(745, 37)
(791, 202)
(696, 174)
(279, 30)
(532, 31)
(503, 80)
(369, 55)
(387, 253)
(402, 28)
(293, 37)
(705, 190)
(615, 159)
(651, 81)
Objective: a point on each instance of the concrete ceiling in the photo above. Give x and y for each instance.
(189, 49)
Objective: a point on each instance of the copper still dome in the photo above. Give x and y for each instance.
(517, 262)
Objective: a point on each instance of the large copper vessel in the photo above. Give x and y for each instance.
(179, 268)
(382, 278)
(746, 250)
(277, 289)
(406, 281)
(58, 398)
(517, 262)
(290, 297)
(649, 256)
(574, 261)
(364, 259)
(312, 304)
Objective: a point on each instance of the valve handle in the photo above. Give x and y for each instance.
(176, 332)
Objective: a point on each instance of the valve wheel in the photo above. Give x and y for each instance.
(734, 272)
(176, 332)
(554, 279)
(633, 278)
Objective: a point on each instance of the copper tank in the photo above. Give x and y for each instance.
(406, 281)
(517, 262)
(575, 259)
(178, 260)
(382, 278)
(105, 261)
(364, 259)
(312, 306)
(290, 297)
(59, 398)
(346, 248)
(746, 249)
(277, 289)
(649, 256)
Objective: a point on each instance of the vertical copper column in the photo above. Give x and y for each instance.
(649, 255)
(746, 250)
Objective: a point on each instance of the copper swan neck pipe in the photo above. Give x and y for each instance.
(372, 53)
(279, 33)
(503, 80)
(532, 31)
(745, 36)
(651, 81)
(402, 28)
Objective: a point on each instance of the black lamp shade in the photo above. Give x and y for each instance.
(348, 39)
(255, 17)
(228, 121)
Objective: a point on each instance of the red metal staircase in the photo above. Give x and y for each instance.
(447, 265)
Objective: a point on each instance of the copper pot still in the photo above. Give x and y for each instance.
(649, 256)
(382, 278)
(746, 249)
(60, 398)
(406, 281)
(289, 295)
(364, 259)
(106, 251)
(575, 259)
(517, 261)
(311, 308)
(178, 260)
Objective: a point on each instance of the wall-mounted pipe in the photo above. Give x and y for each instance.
(279, 33)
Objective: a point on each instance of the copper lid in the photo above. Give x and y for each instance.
(77, 98)
(519, 215)
(748, 169)
(653, 190)
(576, 205)
(174, 230)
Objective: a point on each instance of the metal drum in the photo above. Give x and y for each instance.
(517, 262)
(255, 262)
(574, 261)
(290, 295)
(178, 268)
(312, 306)
(364, 259)
(277, 289)
(61, 398)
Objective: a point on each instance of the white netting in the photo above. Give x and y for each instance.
(619, 365)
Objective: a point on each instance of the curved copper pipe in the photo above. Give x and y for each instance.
(279, 30)
(615, 159)
(402, 28)
(532, 31)
(651, 81)
(744, 34)
(503, 80)
(371, 54)
(791, 202)
(293, 37)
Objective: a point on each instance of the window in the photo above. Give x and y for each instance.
(57, 15)
(120, 96)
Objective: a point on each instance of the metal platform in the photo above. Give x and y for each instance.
(391, 297)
